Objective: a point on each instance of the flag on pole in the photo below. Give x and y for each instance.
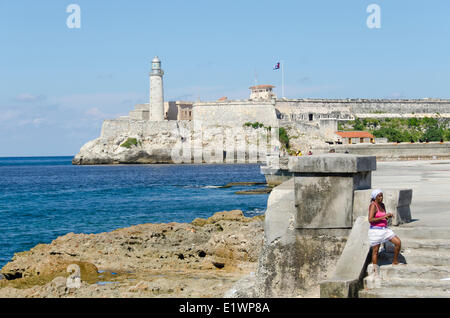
(277, 66)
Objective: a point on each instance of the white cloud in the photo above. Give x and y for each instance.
(95, 113)
(29, 98)
(9, 114)
(38, 121)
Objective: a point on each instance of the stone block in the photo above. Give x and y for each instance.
(332, 163)
(292, 269)
(280, 213)
(396, 201)
(339, 288)
(139, 114)
(362, 180)
(323, 202)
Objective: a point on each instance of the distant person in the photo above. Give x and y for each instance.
(346, 151)
(309, 153)
(332, 150)
(299, 153)
(442, 141)
(420, 140)
(379, 232)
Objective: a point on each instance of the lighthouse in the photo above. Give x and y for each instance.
(156, 91)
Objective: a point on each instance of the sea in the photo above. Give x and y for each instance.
(42, 198)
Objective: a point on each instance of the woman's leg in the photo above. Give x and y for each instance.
(375, 254)
(397, 246)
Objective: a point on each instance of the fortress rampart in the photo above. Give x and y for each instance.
(313, 109)
(235, 113)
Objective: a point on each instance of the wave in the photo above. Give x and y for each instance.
(254, 212)
(192, 186)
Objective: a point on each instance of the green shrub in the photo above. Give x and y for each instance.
(283, 137)
(413, 122)
(254, 125)
(446, 134)
(433, 133)
(402, 129)
(358, 124)
(129, 142)
(390, 133)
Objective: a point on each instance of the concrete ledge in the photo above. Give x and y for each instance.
(340, 288)
(332, 163)
(394, 151)
(351, 266)
(280, 214)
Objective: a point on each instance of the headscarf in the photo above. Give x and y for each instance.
(375, 193)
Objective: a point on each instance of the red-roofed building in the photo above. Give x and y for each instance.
(355, 137)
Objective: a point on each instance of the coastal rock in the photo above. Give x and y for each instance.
(165, 142)
(74, 279)
(170, 259)
(56, 288)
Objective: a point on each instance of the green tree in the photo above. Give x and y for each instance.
(433, 133)
(358, 124)
(283, 137)
(390, 133)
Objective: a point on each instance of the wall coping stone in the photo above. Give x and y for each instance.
(332, 163)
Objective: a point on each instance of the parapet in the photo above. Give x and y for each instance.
(332, 163)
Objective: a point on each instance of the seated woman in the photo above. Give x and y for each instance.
(379, 232)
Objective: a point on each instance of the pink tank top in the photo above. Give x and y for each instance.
(378, 214)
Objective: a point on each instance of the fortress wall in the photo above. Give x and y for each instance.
(235, 113)
(114, 127)
(365, 106)
(319, 106)
(174, 127)
(129, 127)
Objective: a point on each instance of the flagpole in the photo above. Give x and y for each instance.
(282, 79)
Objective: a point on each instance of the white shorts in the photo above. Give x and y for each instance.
(380, 235)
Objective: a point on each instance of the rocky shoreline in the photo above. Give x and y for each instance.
(204, 258)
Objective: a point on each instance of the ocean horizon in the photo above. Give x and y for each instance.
(44, 197)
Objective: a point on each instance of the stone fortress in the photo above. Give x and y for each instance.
(155, 127)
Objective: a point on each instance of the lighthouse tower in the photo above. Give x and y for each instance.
(156, 91)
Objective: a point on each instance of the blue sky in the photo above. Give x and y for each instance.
(57, 85)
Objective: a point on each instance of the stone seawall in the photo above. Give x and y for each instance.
(394, 151)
